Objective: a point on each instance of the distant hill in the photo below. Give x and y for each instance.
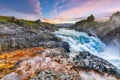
(64, 25)
(26, 23)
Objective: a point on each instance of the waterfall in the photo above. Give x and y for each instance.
(81, 41)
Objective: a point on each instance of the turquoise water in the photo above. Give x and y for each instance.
(81, 41)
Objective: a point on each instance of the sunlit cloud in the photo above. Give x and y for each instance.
(90, 7)
(57, 20)
(48, 20)
(36, 6)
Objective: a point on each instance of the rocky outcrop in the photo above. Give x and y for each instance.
(56, 64)
(75, 66)
(100, 28)
(112, 38)
(88, 61)
(85, 25)
(111, 25)
(17, 37)
(82, 60)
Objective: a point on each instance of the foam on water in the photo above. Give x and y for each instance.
(81, 41)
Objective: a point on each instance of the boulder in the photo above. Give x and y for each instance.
(66, 46)
(88, 61)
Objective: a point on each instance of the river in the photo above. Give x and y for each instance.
(81, 41)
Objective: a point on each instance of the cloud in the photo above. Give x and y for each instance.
(59, 20)
(83, 9)
(62, 5)
(49, 20)
(21, 6)
(89, 7)
(36, 6)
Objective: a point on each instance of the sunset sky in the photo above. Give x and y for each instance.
(59, 11)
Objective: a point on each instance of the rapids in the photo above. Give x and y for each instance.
(81, 41)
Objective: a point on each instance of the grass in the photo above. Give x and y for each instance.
(22, 22)
(4, 18)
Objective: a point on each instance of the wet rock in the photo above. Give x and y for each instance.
(117, 72)
(66, 46)
(57, 64)
(89, 61)
(53, 75)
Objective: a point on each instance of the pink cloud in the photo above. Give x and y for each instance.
(36, 5)
(49, 20)
(89, 7)
(61, 5)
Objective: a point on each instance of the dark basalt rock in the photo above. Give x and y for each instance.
(91, 62)
(53, 75)
(66, 46)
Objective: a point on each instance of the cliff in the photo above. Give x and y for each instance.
(104, 30)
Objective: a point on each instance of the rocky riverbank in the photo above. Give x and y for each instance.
(16, 37)
(56, 64)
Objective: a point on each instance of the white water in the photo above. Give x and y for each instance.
(81, 41)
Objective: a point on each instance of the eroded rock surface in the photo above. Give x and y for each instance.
(56, 64)
(16, 37)
(89, 61)
(53, 75)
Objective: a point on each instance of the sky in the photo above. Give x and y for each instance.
(59, 11)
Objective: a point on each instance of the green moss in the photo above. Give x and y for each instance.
(4, 19)
(22, 22)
